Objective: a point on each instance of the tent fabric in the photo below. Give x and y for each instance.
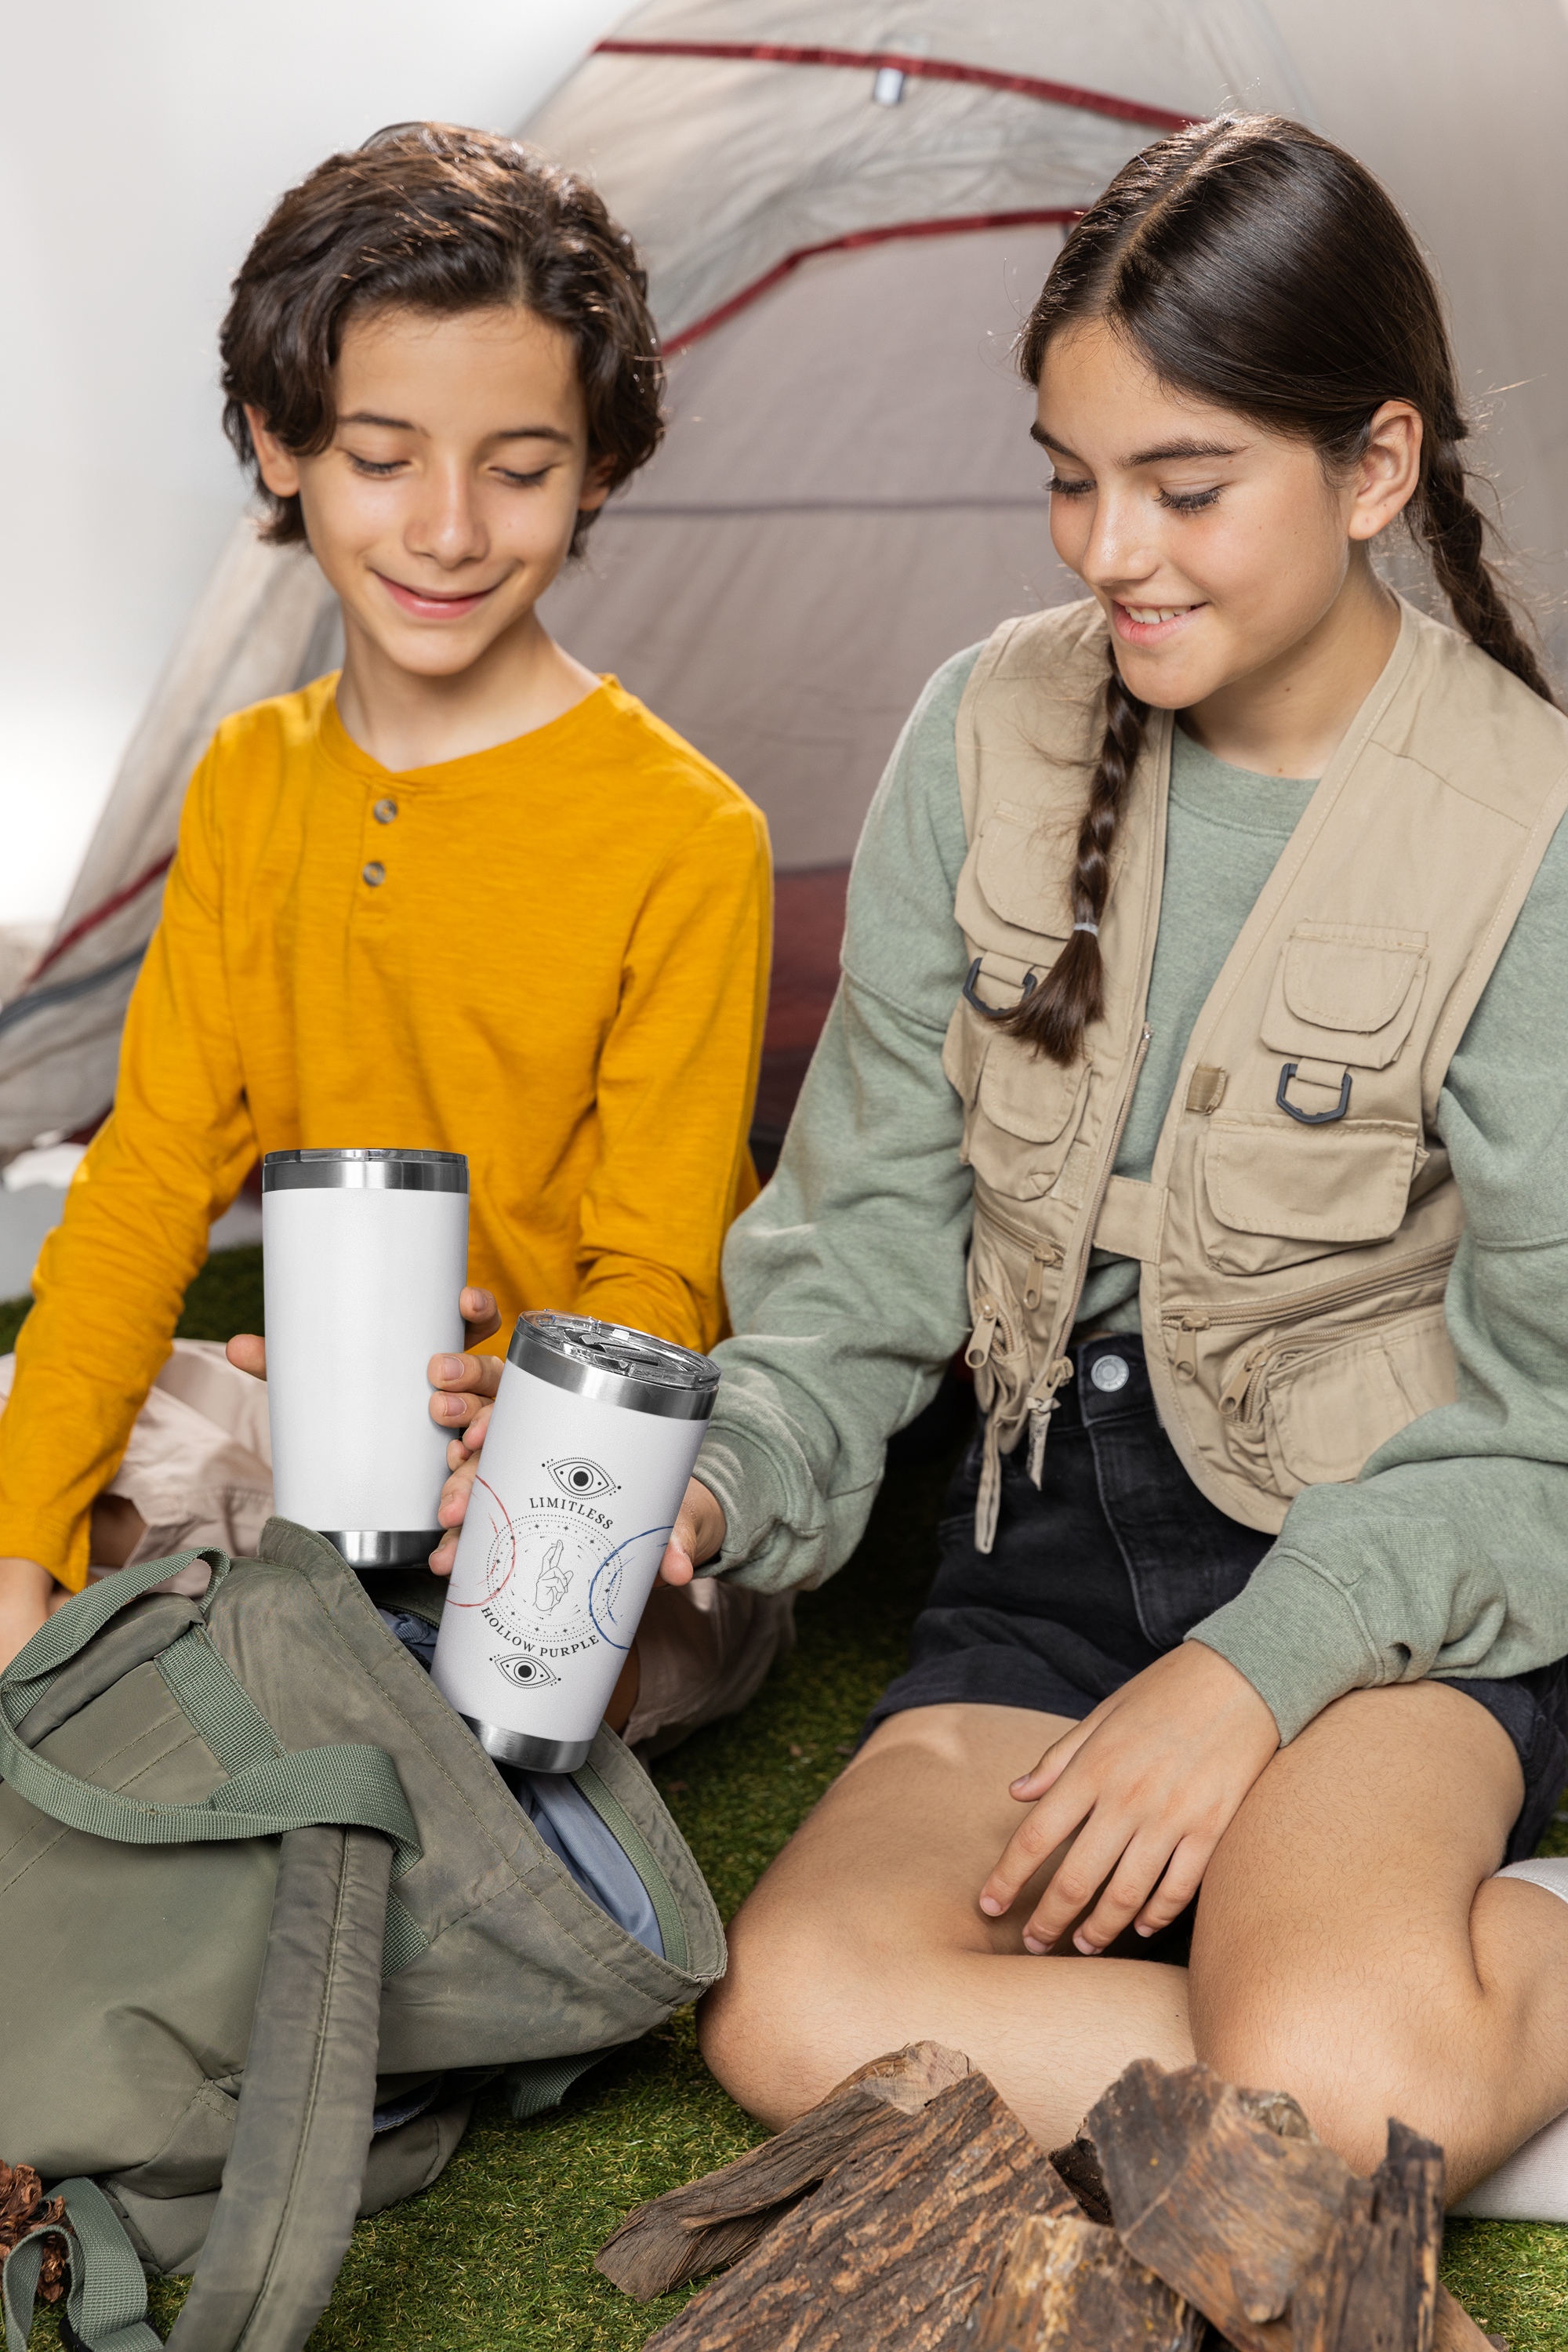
(265, 621)
(846, 210)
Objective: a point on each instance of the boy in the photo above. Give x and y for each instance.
(466, 896)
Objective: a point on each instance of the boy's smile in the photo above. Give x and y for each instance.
(441, 511)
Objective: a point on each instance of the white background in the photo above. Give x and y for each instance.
(144, 142)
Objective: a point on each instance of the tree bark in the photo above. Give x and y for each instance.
(893, 2250)
(1068, 2284)
(1210, 2194)
(716, 2219)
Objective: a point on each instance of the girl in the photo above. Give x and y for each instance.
(1199, 1065)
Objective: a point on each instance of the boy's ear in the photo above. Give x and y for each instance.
(276, 465)
(595, 487)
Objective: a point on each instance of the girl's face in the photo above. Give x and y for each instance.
(1216, 550)
(445, 503)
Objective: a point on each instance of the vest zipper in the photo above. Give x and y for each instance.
(1046, 1253)
(983, 1339)
(1292, 1309)
(1040, 1409)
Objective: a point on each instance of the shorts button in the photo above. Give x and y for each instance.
(1109, 1373)
(384, 812)
(376, 874)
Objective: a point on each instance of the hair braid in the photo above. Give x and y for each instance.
(1447, 519)
(1056, 1011)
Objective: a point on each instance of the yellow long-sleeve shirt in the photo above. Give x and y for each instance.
(551, 956)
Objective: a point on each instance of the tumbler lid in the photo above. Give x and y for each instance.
(365, 1171)
(611, 1364)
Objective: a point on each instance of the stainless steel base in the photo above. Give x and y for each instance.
(384, 1546)
(532, 1755)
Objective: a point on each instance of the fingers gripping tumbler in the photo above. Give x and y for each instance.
(364, 1254)
(585, 1465)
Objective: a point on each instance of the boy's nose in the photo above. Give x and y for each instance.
(449, 526)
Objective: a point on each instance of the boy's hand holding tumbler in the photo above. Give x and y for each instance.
(590, 1443)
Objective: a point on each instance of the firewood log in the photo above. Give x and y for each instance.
(1209, 2192)
(1068, 2284)
(1373, 2286)
(1079, 2165)
(893, 2250)
(713, 2222)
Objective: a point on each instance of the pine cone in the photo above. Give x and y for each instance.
(22, 2207)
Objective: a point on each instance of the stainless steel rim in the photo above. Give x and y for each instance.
(687, 1397)
(364, 1172)
(521, 1748)
(384, 1546)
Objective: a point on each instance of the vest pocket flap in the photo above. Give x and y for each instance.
(1030, 1095)
(1023, 867)
(1345, 992)
(1348, 1183)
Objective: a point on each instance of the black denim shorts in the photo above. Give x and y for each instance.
(1111, 1562)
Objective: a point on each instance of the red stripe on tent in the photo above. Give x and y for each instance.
(1050, 93)
(959, 226)
(91, 922)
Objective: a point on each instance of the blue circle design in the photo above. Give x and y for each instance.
(602, 1573)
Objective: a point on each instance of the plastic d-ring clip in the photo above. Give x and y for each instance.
(1313, 1117)
(994, 1012)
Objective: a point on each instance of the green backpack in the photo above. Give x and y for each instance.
(270, 1917)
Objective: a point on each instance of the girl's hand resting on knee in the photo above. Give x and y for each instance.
(1146, 1788)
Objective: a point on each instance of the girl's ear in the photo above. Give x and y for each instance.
(595, 487)
(1389, 472)
(276, 465)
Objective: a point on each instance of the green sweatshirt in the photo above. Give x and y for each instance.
(845, 1279)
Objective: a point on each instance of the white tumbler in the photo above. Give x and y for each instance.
(364, 1255)
(592, 1438)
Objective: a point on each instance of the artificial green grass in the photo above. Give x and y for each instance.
(497, 2255)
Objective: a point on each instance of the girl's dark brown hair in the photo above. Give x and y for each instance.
(430, 219)
(1260, 269)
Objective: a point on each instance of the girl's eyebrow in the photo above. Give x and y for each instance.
(1163, 455)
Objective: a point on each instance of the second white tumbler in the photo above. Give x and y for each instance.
(364, 1254)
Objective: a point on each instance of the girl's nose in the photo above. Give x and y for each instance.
(1119, 551)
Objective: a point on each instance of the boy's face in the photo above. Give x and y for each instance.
(447, 501)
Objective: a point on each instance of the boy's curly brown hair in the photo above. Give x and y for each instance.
(429, 217)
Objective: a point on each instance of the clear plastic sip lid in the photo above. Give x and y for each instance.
(613, 1364)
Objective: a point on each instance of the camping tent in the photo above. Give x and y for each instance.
(846, 210)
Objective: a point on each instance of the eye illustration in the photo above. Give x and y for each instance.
(575, 1474)
(530, 1672)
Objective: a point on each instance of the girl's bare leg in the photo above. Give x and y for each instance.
(1352, 1946)
(866, 1933)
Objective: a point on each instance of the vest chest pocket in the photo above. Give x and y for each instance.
(1278, 1189)
(1021, 1111)
(1273, 1195)
(1026, 1111)
(1342, 992)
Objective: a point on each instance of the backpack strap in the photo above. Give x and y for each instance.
(353, 1786)
(291, 2185)
(106, 2309)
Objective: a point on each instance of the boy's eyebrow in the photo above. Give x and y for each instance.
(511, 433)
(1163, 455)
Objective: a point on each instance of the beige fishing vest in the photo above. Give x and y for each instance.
(1296, 1235)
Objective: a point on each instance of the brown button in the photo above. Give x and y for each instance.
(384, 812)
(376, 876)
